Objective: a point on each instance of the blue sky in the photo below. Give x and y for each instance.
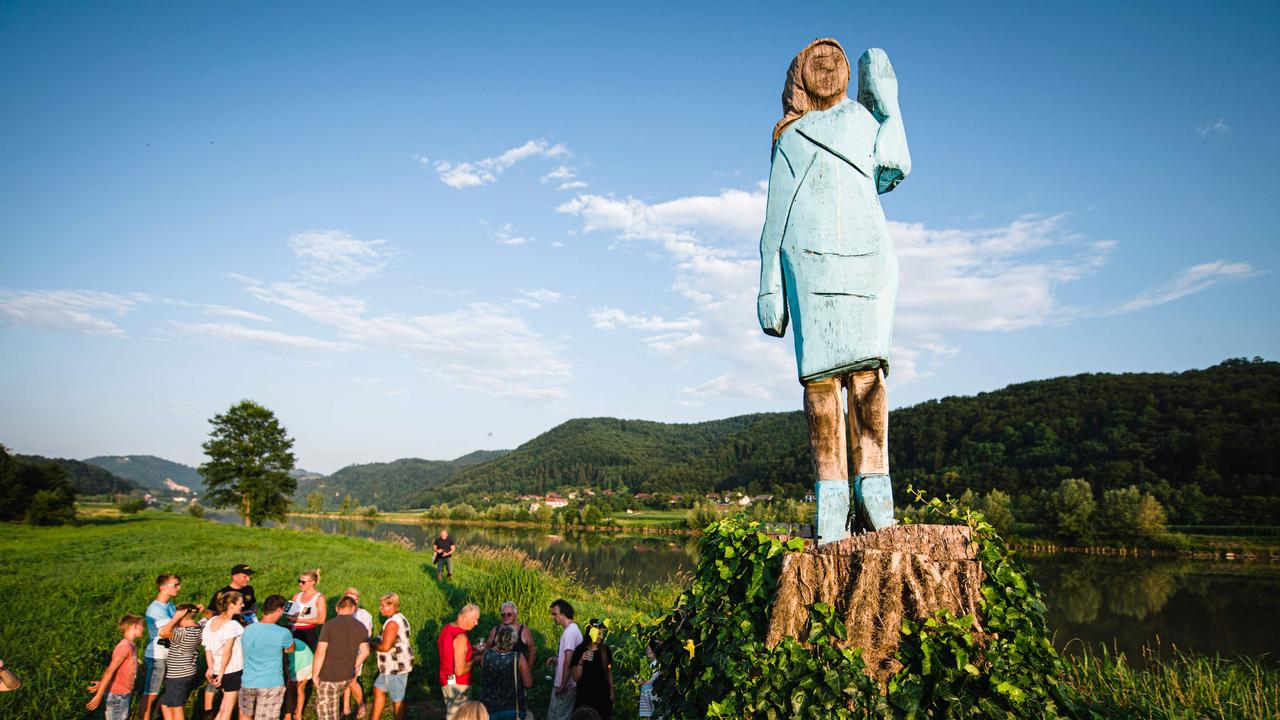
(421, 231)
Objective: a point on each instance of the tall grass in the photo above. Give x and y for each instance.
(1174, 686)
(66, 587)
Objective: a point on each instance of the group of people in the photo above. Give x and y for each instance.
(261, 657)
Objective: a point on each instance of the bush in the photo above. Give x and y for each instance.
(132, 506)
(1071, 510)
(195, 509)
(714, 662)
(52, 507)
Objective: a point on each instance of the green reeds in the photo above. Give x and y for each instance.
(1172, 684)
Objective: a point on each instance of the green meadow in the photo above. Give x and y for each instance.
(67, 586)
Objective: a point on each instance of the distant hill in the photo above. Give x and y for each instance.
(767, 450)
(1205, 442)
(389, 485)
(87, 479)
(150, 471)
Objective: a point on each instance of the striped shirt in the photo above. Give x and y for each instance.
(184, 648)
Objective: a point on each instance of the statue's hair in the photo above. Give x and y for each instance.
(796, 100)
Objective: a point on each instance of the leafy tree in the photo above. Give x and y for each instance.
(1071, 509)
(132, 506)
(1128, 513)
(37, 492)
(345, 507)
(250, 456)
(998, 508)
(315, 502)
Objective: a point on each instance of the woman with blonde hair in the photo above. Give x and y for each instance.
(471, 711)
(309, 610)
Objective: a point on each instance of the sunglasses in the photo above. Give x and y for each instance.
(508, 614)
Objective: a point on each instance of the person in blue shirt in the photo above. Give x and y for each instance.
(262, 684)
(159, 615)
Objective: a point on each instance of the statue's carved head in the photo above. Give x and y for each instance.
(817, 79)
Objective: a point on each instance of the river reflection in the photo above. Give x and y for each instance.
(1125, 603)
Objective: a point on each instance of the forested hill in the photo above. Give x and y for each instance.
(150, 471)
(1205, 442)
(86, 479)
(389, 485)
(766, 451)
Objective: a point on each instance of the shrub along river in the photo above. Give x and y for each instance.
(1205, 606)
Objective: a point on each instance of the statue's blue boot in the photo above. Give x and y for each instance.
(833, 511)
(874, 496)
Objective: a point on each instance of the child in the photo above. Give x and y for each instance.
(180, 676)
(646, 689)
(299, 675)
(117, 681)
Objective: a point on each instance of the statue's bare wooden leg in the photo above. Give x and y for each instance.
(869, 448)
(825, 411)
(869, 423)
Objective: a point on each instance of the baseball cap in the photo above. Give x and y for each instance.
(241, 569)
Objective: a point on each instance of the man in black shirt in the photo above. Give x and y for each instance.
(240, 576)
(443, 557)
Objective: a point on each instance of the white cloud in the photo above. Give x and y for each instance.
(572, 185)
(83, 311)
(334, 257)
(482, 346)
(535, 299)
(952, 281)
(225, 311)
(1217, 127)
(1189, 280)
(240, 333)
(506, 236)
(487, 170)
(563, 172)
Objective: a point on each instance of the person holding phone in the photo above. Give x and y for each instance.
(592, 668)
(308, 609)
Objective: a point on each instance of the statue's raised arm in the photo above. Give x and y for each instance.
(878, 92)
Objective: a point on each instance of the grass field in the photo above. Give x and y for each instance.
(68, 586)
(652, 518)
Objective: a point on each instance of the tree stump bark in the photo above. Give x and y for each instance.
(873, 581)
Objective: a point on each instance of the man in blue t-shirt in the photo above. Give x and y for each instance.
(159, 614)
(264, 642)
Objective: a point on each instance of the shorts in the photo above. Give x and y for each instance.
(176, 690)
(153, 676)
(329, 699)
(445, 565)
(393, 685)
(309, 635)
(117, 707)
(231, 682)
(261, 703)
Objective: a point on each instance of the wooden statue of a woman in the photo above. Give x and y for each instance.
(827, 264)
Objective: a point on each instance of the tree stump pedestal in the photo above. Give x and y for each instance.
(874, 581)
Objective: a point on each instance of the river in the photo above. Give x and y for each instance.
(1204, 606)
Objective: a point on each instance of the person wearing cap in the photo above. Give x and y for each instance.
(240, 577)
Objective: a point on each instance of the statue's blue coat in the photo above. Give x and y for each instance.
(827, 261)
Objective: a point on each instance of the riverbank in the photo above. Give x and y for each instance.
(1207, 547)
(77, 581)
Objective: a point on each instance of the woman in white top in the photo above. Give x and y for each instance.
(309, 610)
(222, 651)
